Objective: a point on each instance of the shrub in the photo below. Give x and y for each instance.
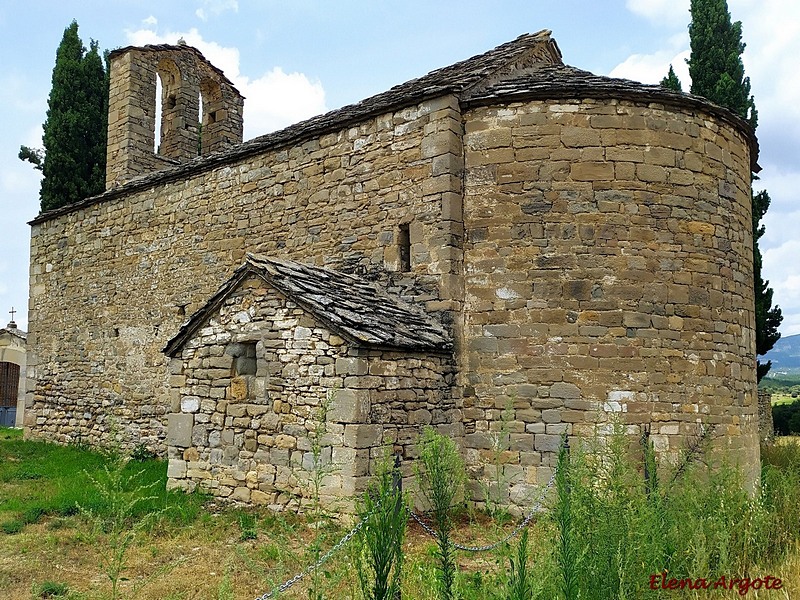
(786, 418)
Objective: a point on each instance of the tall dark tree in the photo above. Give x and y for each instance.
(768, 317)
(74, 157)
(717, 72)
(715, 64)
(671, 81)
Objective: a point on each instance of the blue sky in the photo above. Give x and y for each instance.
(293, 59)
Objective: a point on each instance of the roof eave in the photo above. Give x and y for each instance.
(667, 97)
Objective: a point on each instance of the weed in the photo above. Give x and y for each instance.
(247, 526)
(121, 520)
(520, 582)
(50, 589)
(319, 467)
(563, 517)
(496, 491)
(441, 478)
(141, 453)
(225, 589)
(379, 558)
(12, 526)
(319, 460)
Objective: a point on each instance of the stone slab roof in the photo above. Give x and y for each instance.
(181, 47)
(554, 82)
(459, 78)
(525, 68)
(357, 310)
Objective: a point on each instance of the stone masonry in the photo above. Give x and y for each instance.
(585, 242)
(245, 423)
(188, 81)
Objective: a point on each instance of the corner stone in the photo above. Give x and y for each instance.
(179, 430)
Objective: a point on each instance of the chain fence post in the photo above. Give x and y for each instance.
(565, 464)
(397, 481)
(648, 474)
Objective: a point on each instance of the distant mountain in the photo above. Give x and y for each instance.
(785, 356)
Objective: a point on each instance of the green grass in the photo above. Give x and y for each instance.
(40, 479)
(617, 530)
(779, 399)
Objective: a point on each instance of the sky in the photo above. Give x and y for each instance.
(293, 59)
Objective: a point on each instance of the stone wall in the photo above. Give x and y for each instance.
(608, 277)
(592, 258)
(112, 281)
(255, 426)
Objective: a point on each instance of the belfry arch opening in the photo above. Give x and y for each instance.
(212, 116)
(167, 105)
(177, 128)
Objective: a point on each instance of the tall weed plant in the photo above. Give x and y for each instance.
(379, 557)
(615, 529)
(441, 475)
(121, 518)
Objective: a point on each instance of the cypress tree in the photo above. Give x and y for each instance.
(671, 81)
(717, 73)
(75, 132)
(768, 317)
(715, 64)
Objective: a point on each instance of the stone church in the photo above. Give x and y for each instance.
(509, 249)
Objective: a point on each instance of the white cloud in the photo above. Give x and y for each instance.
(151, 21)
(272, 101)
(785, 282)
(668, 12)
(652, 68)
(283, 99)
(780, 246)
(216, 7)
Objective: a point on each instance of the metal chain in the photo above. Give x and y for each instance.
(350, 534)
(290, 582)
(522, 525)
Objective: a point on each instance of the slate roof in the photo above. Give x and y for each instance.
(553, 82)
(457, 78)
(501, 74)
(357, 310)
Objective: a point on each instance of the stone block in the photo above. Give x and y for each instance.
(551, 415)
(176, 469)
(179, 429)
(635, 319)
(241, 494)
(363, 436)
(545, 442)
(349, 406)
(592, 171)
(190, 404)
(351, 366)
(564, 390)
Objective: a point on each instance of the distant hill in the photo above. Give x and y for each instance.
(785, 356)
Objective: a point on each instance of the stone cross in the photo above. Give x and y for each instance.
(13, 312)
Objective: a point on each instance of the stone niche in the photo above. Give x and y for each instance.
(268, 388)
